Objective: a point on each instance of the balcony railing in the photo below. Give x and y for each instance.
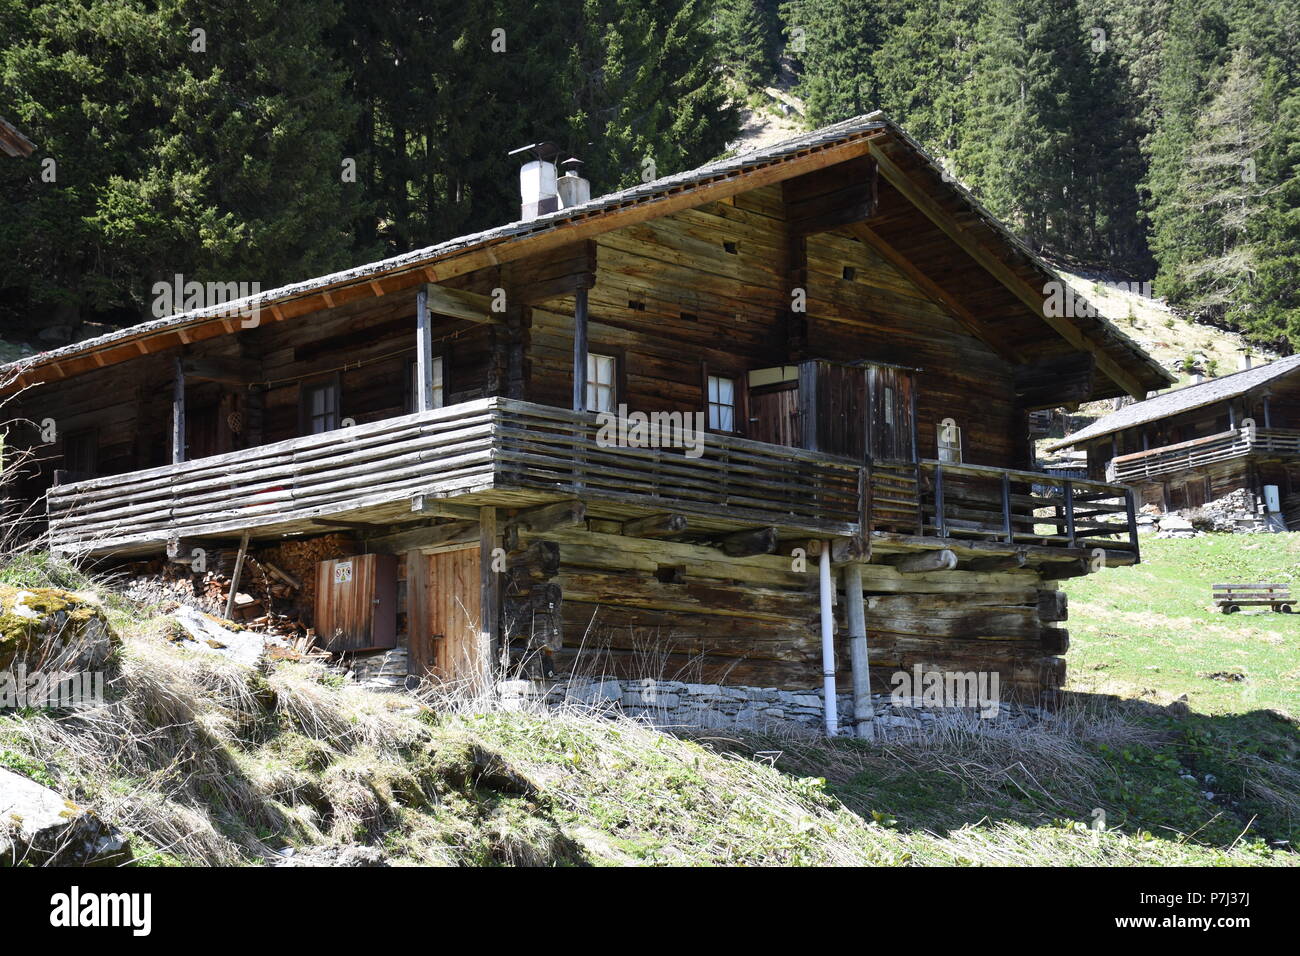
(1199, 452)
(504, 453)
(1026, 507)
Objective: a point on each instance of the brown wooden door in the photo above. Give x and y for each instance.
(444, 614)
(356, 603)
(890, 429)
(774, 415)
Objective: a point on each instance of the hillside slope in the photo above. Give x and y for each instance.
(200, 760)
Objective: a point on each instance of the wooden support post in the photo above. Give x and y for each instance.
(580, 350)
(178, 412)
(826, 591)
(939, 526)
(1007, 532)
(942, 560)
(1268, 420)
(1131, 509)
(855, 611)
(745, 543)
(656, 526)
(1067, 489)
(234, 578)
(489, 597)
(423, 352)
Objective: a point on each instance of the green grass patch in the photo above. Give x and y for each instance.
(1150, 631)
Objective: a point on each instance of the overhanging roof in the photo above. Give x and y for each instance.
(1117, 355)
(12, 142)
(1182, 400)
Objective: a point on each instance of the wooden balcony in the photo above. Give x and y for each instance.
(1200, 452)
(509, 454)
(493, 451)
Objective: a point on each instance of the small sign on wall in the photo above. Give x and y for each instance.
(343, 572)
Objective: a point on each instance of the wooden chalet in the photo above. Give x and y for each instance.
(864, 345)
(1199, 443)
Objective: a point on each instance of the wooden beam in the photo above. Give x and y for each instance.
(938, 294)
(427, 539)
(234, 578)
(439, 508)
(178, 412)
(1060, 570)
(1012, 562)
(747, 543)
(547, 517)
(226, 371)
(580, 351)
(842, 549)
(489, 597)
(1031, 297)
(942, 560)
(656, 526)
(458, 304)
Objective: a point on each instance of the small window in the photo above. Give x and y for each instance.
(850, 273)
(413, 384)
(722, 403)
(889, 405)
(80, 452)
(730, 248)
(600, 382)
(949, 441)
(320, 407)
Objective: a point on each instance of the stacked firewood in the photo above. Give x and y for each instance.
(277, 586)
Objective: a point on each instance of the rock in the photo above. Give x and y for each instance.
(53, 631)
(38, 825)
(348, 855)
(208, 634)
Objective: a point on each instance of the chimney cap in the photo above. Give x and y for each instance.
(543, 151)
(572, 165)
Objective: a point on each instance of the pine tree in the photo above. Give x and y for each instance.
(835, 42)
(214, 154)
(748, 39)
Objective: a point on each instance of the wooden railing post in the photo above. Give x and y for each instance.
(940, 525)
(1131, 508)
(1067, 488)
(1006, 508)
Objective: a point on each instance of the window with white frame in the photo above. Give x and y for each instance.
(413, 385)
(722, 403)
(321, 407)
(601, 390)
(949, 441)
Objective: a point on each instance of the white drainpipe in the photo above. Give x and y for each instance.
(828, 641)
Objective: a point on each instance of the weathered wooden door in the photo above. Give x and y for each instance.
(774, 414)
(444, 614)
(890, 428)
(356, 603)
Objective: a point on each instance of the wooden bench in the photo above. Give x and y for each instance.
(1230, 598)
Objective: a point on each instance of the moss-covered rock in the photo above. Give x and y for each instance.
(49, 629)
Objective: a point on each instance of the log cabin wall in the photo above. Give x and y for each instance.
(636, 608)
(707, 291)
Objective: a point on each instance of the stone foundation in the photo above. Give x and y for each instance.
(676, 704)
